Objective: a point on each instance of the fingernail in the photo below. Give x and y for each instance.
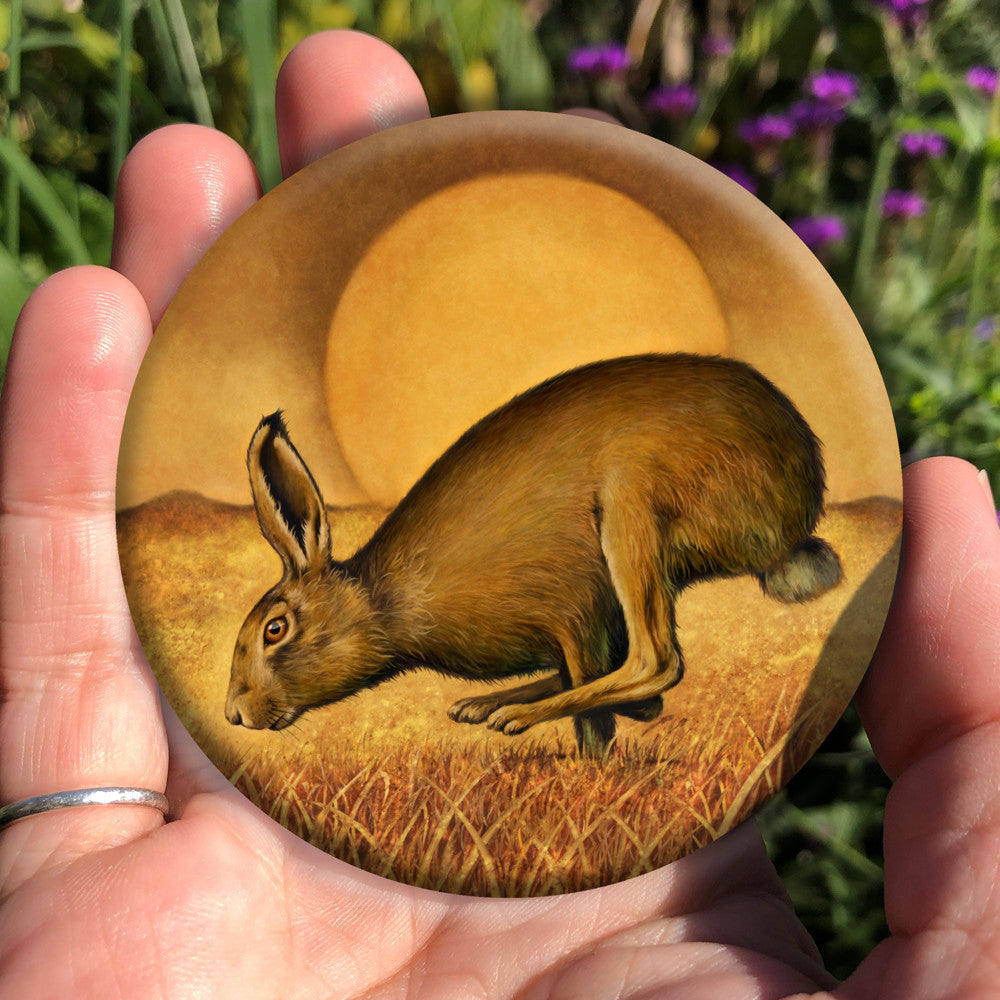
(984, 481)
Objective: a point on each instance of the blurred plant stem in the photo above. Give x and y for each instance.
(864, 262)
(985, 220)
(258, 26)
(122, 123)
(839, 846)
(12, 183)
(765, 25)
(188, 59)
(51, 208)
(943, 222)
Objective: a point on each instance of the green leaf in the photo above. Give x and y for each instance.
(932, 82)
(524, 72)
(932, 378)
(93, 212)
(258, 25)
(972, 116)
(36, 187)
(14, 292)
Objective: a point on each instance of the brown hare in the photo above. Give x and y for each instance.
(552, 540)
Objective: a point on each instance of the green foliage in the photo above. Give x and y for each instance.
(924, 279)
(84, 81)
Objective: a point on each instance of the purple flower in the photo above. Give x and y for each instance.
(833, 87)
(815, 116)
(765, 131)
(983, 79)
(717, 45)
(738, 173)
(600, 60)
(819, 231)
(675, 101)
(932, 145)
(908, 13)
(985, 330)
(903, 205)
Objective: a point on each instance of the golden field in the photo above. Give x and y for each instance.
(386, 781)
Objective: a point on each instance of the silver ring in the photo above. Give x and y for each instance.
(82, 797)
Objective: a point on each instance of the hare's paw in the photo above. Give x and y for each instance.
(473, 710)
(512, 719)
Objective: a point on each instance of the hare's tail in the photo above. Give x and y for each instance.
(811, 568)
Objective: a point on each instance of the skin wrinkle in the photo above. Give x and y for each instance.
(426, 974)
(955, 841)
(628, 938)
(947, 730)
(986, 946)
(400, 980)
(426, 982)
(158, 964)
(629, 970)
(66, 515)
(943, 967)
(86, 492)
(685, 927)
(701, 966)
(964, 922)
(305, 936)
(725, 944)
(82, 503)
(940, 610)
(32, 639)
(281, 871)
(776, 902)
(410, 978)
(957, 856)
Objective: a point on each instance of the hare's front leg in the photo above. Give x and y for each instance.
(584, 656)
(633, 550)
(478, 708)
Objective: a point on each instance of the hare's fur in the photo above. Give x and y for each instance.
(553, 538)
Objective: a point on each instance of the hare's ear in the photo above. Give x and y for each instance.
(289, 506)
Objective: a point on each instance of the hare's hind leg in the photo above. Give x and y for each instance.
(477, 708)
(642, 711)
(633, 549)
(595, 731)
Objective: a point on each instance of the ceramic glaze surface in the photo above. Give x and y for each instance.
(509, 504)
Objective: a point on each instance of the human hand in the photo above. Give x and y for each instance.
(220, 901)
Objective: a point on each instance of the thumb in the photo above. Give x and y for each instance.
(79, 703)
(931, 704)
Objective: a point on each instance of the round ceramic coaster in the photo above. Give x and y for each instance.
(509, 504)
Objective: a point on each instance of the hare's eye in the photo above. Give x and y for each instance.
(275, 630)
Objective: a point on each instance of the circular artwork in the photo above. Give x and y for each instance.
(509, 504)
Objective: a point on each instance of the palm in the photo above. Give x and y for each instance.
(222, 902)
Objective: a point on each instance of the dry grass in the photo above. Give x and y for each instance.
(385, 781)
(530, 819)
